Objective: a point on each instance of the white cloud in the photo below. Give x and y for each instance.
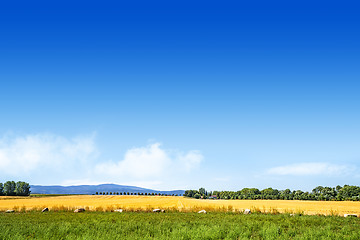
(23, 154)
(150, 161)
(191, 160)
(51, 159)
(313, 168)
(138, 162)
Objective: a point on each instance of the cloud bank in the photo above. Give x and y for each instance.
(23, 154)
(151, 161)
(47, 158)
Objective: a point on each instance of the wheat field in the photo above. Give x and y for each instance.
(147, 203)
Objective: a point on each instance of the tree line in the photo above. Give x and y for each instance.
(132, 193)
(320, 193)
(11, 188)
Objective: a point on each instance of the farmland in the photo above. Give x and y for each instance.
(224, 219)
(147, 203)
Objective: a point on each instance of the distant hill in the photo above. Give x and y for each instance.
(92, 189)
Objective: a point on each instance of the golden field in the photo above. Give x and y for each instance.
(147, 203)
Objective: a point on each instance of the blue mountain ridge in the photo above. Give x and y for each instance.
(92, 189)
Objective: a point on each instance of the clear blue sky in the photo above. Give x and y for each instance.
(166, 94)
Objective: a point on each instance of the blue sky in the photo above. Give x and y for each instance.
(180, 94)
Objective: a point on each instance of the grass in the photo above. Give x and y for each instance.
(174, 225)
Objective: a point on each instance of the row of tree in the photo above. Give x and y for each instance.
(338, 193)
(11, 188)
(132, 193)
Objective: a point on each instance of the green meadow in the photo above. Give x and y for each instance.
(174, 225)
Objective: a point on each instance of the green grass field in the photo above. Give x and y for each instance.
(141, 225)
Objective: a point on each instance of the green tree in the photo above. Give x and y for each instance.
(348, 192)
(1, 189)
(318, 190)
(269, 193)
(285, 194)
(197, 196)
(190, 193)
(298, 194)
(9, 188)
(22, 189)
(250, 193)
